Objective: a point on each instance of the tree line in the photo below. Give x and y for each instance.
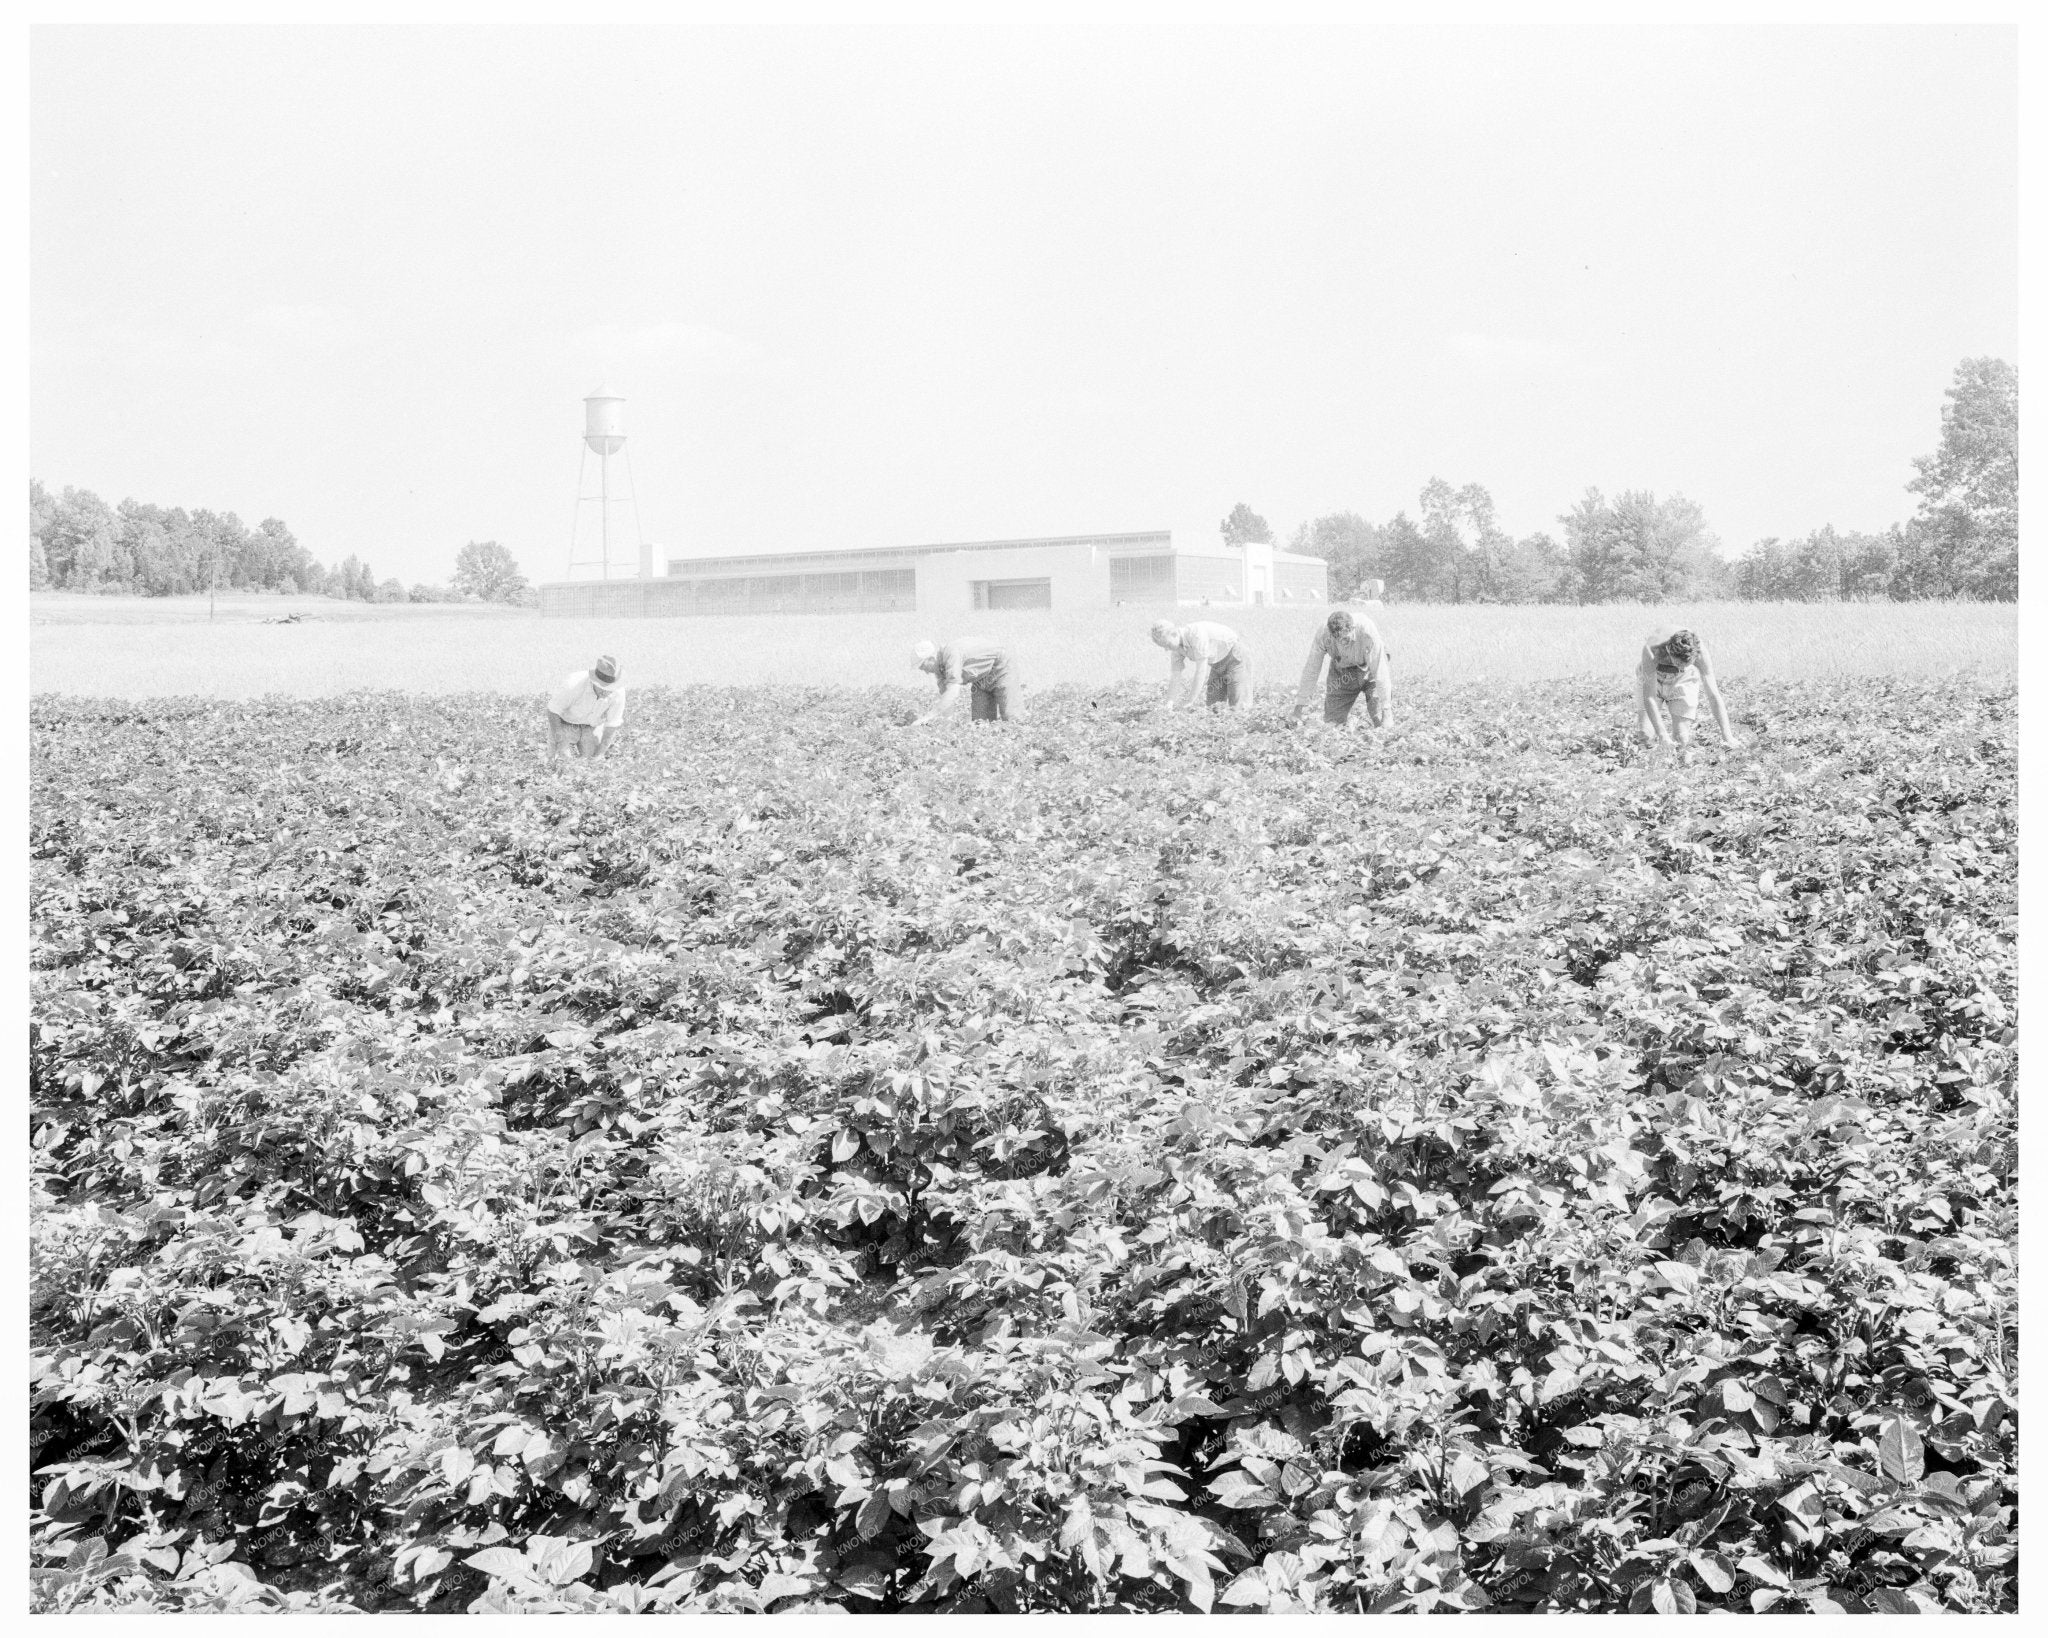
(77, 542)
(1963, 540)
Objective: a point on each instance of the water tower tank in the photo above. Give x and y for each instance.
(604, 422)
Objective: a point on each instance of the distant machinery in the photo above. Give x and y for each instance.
(601, 546)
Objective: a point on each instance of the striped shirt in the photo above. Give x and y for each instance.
(1660, 663)
(967, 662)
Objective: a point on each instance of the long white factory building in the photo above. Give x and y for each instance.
(1060, 572)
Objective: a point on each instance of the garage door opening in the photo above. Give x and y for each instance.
(1013, 594)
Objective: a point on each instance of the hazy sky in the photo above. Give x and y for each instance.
(883, 286)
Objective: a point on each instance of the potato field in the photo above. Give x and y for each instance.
(1102, 1163)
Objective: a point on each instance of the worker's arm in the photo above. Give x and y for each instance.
(1650, 719)
(1173, 682)
(949, 687)
(1712, 690)
(1311, 674)
(614, 724)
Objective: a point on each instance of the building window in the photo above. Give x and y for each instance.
(1141, 579)
(888, 591)
(1208, 580)
(1013, 594)
(866, 591)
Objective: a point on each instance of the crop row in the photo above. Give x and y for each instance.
(1112, 1164)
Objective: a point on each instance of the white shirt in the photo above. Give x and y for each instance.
(577, 702)
(1204, 640)
(1362, 648)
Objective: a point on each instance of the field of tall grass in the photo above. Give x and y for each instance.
(143, 648)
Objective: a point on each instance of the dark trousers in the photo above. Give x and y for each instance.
(1346, 683)
(574, 737)
(989, 699)
(1229, 681)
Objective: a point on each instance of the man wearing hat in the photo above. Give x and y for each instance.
(985, 669)
(1358, 665)
(588, 712)
(1220, 672)
(1672, 673)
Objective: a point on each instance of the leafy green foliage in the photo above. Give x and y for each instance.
(1969, 488)
(487, 570)
(77, 542)
(1112, 1165)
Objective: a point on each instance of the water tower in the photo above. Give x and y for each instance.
(602, 542)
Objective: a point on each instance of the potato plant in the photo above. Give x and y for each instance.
(1109, 1165)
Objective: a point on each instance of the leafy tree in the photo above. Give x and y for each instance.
(353, 579)
(79, 543)
(41, 512)
(1825, 566)
(1534, 570)
(1244, 525)
(1346, 542)
(284, 559)
(1969, 488)
(160, 568)
(1471, 559)
(1440, 573)
(1410, 561)
(1637, 548)
(389, 591)
(485, 569)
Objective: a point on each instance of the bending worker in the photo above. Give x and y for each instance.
(588, 713)
(1359, 664)
(1674, 672)
(1221, 672)
(987, 671)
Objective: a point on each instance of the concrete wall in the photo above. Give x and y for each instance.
(1258, 574)
(1300, 579)
(1079, 575)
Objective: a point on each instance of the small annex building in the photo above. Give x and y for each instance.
(1055, 572)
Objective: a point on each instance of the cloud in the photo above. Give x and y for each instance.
(256, 339)
(1516, 355)
(303, 323)
(700, 347)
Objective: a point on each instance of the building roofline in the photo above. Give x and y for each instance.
(1115, 539)
(861, 553)
(1230, 554)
